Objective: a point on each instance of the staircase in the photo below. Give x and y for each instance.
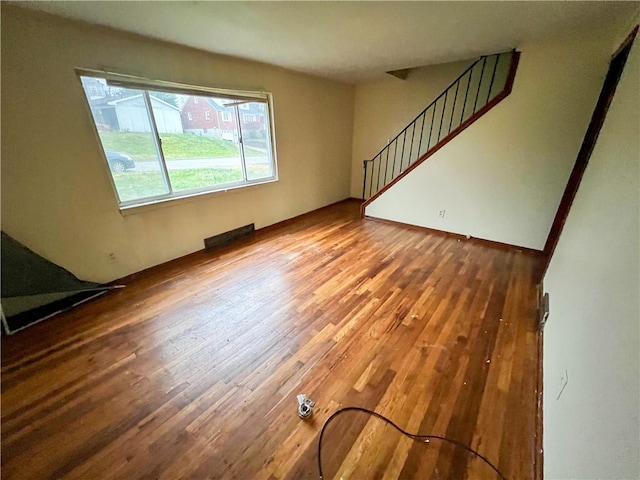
(483, 85)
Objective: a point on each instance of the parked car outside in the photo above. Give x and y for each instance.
(119, 162)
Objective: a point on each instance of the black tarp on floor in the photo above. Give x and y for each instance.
(34, 288)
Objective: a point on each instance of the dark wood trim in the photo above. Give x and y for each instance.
(607, 93)
(515, 58)
(539, 427)
(538, 400)
(482, 241)
(511, 77)
(627, 41)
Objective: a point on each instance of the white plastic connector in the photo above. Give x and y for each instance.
(305, 406)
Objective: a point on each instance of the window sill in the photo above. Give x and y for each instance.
(172, 201)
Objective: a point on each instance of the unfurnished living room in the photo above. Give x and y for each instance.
(349, 240)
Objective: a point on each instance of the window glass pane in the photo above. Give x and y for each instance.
(254, 123)
(123, 124)
(168, 144)
(199, 140)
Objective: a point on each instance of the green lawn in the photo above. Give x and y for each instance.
(140, 147)
(137, 185)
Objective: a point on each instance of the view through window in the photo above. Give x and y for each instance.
(162, 144)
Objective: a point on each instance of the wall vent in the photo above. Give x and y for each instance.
(228, 237)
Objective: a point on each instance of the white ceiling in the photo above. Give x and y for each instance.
(348, 41)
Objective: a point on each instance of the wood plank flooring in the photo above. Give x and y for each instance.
(192, 371)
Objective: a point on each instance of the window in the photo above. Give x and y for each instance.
(249, 118)
(154, 155)
(195, 99)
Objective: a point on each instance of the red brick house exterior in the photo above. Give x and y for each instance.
(203, 116)
(206, 116)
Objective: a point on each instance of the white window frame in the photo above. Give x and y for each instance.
(148, 85)
(226, 116)
(189, 116)
(207, 115)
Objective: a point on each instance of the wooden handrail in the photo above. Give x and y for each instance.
(506, 90)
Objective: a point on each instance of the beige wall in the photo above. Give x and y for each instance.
(593, 332)
(56, 195)
(384, 108)
(503, 177)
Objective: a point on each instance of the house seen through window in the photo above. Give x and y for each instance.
(163, 143)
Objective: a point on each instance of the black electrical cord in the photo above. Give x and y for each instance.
(410, 435)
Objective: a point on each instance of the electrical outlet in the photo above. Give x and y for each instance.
(441, 213)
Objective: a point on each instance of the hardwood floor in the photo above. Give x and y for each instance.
(192, 371)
